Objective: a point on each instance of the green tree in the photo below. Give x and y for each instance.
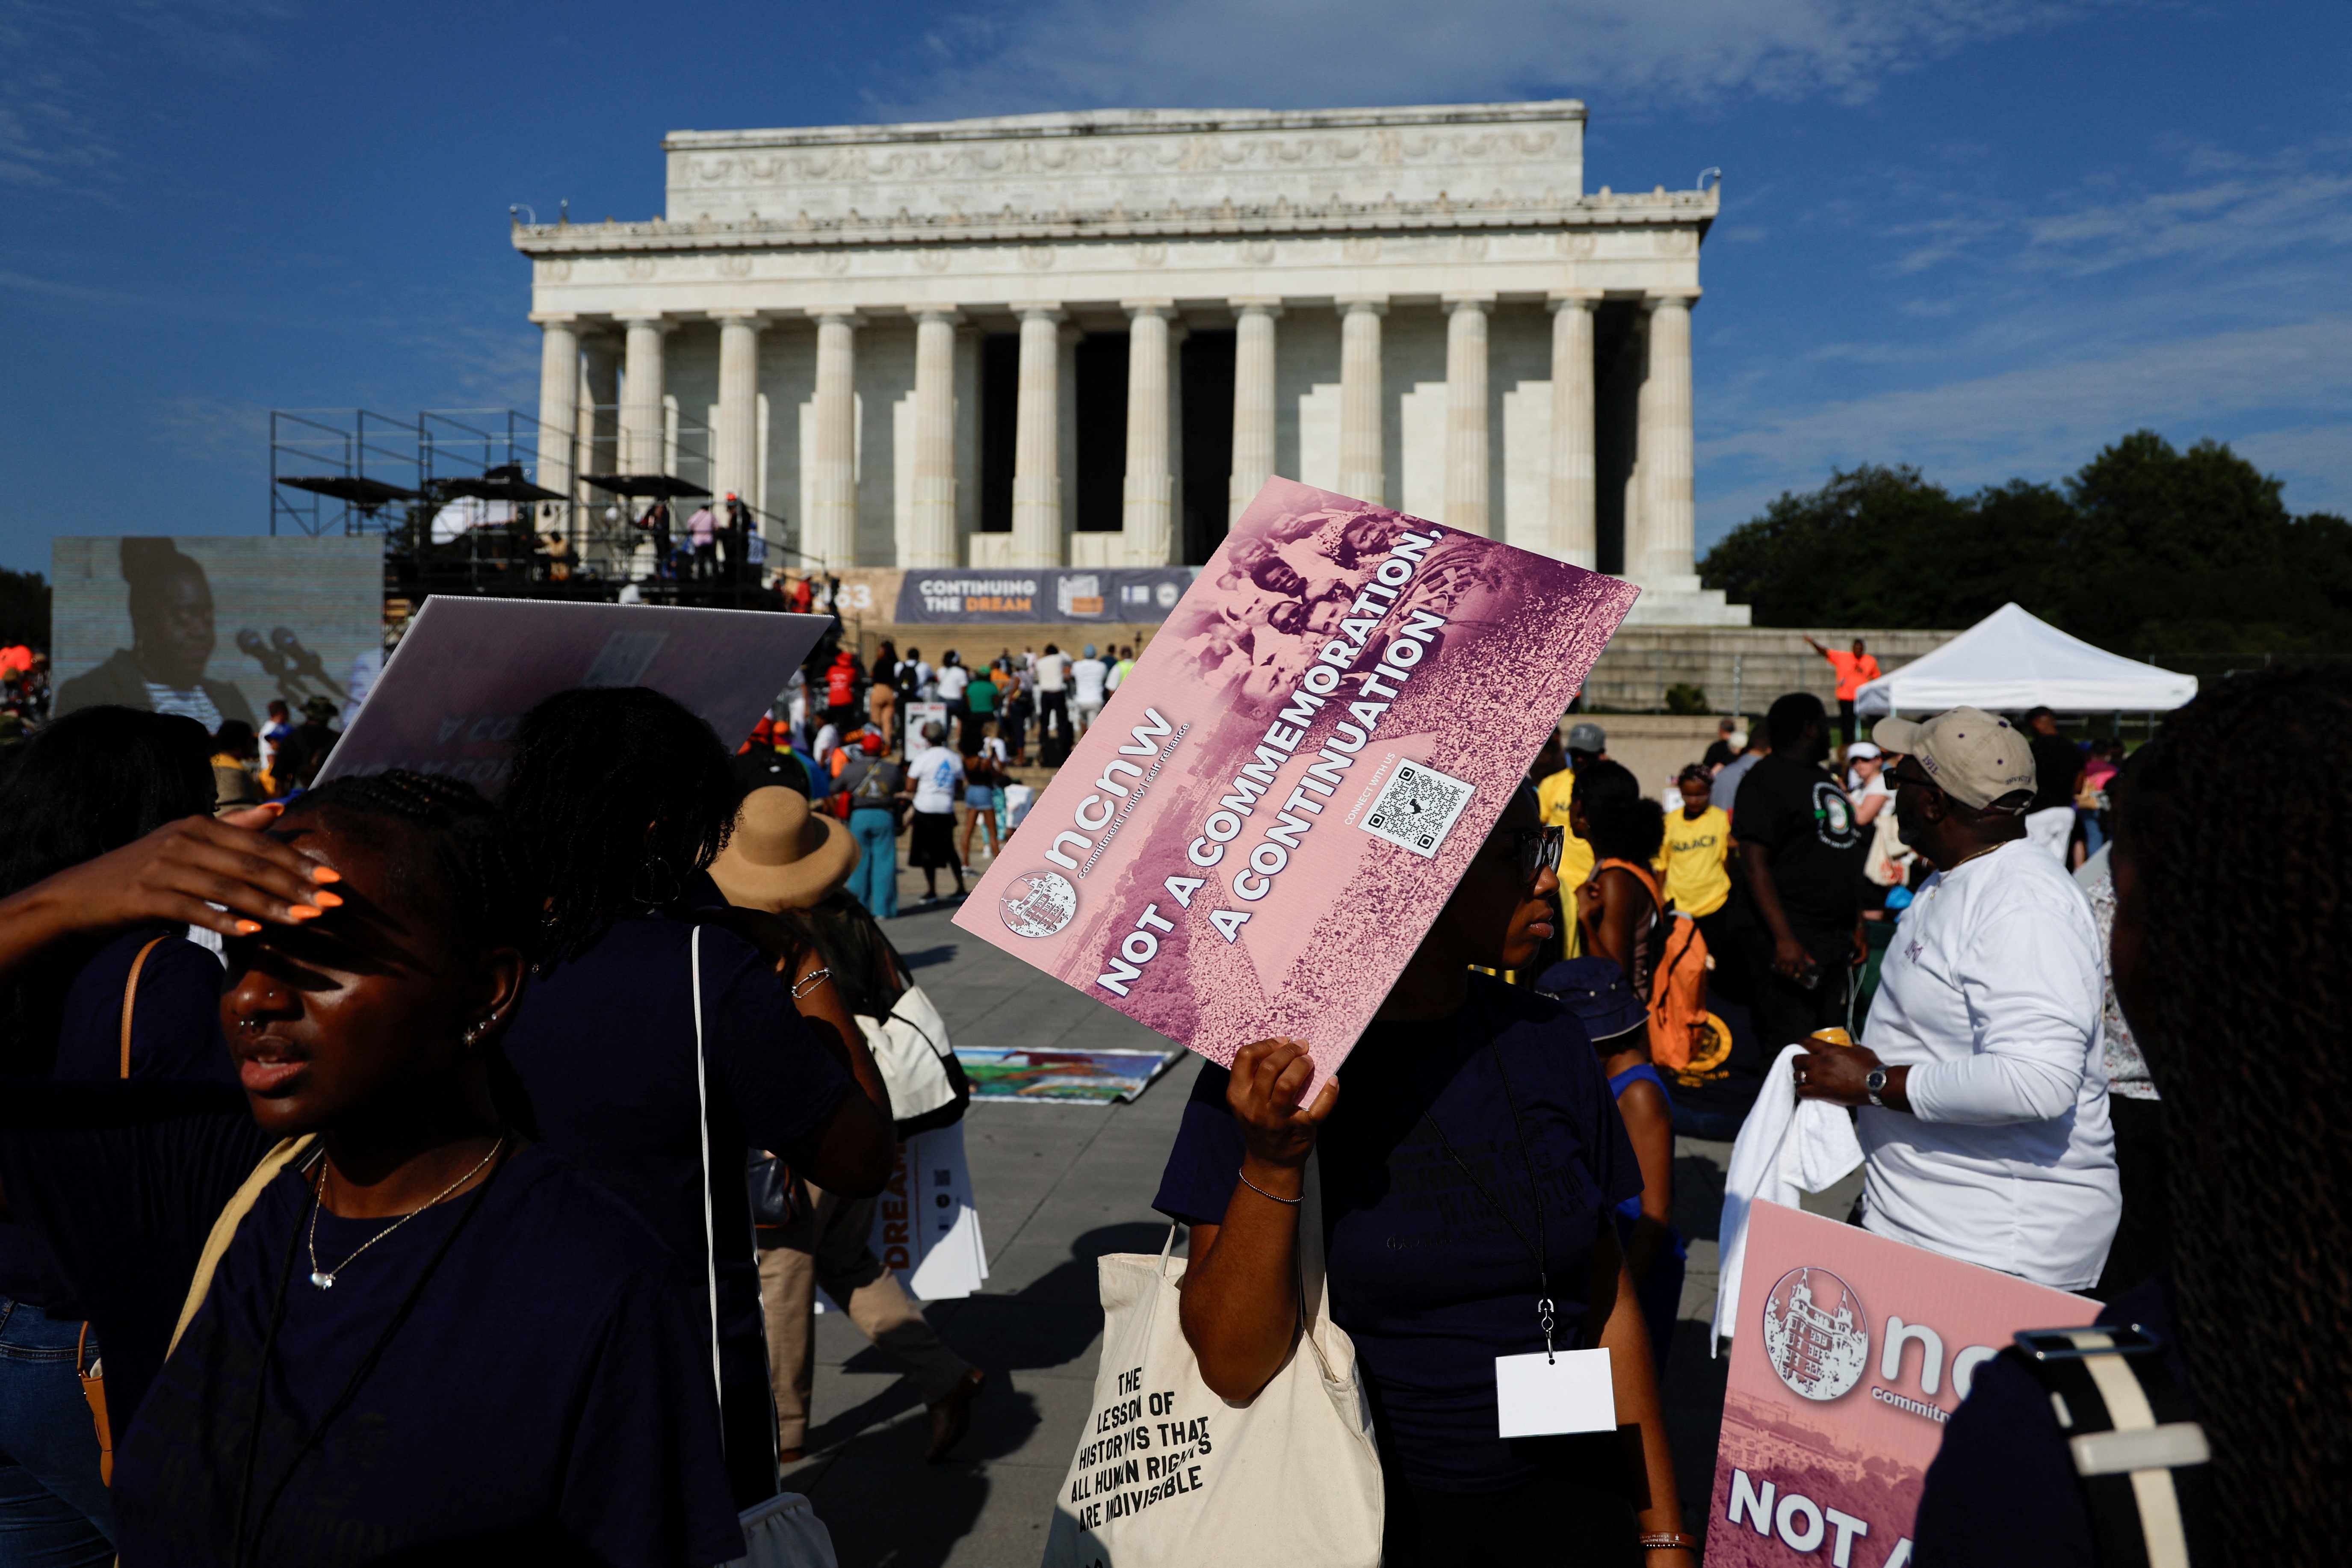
(2195, 551)
(2147, 550)
(1837, 555)
(24, 609)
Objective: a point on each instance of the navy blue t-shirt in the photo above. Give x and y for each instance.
(543, 1392)
(176, 1034)
(2003, 1443)
(175, 1030)
(550, 1390)
(605, 1047)
(1426, 1277)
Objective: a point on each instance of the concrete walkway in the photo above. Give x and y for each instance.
(1059, 1185)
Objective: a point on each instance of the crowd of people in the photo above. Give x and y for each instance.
(938, 754)
(385, 1149)
(1943, 916)
(387, 1176)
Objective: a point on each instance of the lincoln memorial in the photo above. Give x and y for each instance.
(1085, 340)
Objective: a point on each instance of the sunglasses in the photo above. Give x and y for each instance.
(1535, 850)
(1920, 780)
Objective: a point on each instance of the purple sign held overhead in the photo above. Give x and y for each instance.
(1250, 840)
(455, 692)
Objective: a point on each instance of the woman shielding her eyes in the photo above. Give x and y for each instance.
(415, 1335)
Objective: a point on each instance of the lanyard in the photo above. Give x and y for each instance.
(1527, 1157)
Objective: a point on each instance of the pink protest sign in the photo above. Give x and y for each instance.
(452, 693)
(1256, 831)
(1840, 1383)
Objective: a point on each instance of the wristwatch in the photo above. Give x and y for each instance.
(1873, 1083)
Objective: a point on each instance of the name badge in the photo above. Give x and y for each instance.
(1542, 1395)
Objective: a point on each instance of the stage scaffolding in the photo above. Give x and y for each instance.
(456, 495)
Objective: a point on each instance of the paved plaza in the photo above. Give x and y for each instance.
(1058, 1186)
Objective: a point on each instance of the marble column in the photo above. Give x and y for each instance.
(559, 406)
(1466, 451)
(642, 425)
(1669, 549)
(829, 532)
(1361, 407)
(735, 462)
(1145, 521)
(1254, 401)
(600, 451)
(1574, 505)
(933, 541)
(596, 451)
(1036, 439)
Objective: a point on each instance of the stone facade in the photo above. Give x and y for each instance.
(1085, 338)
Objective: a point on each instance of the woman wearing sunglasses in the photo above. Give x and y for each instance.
(1467, 1173)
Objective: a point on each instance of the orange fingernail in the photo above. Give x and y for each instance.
(325, 874)
(303, 912)
(328, 900)
(248, 928)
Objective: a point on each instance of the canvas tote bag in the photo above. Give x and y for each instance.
(1169, 1474)
(919, 1067)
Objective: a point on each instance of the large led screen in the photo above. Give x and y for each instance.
(214, 628)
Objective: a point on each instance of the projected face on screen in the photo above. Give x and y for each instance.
(171, 615)
(168, 602)
(215, 629)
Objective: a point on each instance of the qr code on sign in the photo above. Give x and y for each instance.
(1417, 808)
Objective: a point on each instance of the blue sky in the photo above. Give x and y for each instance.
(1983, 237)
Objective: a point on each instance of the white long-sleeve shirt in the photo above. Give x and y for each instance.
(1991, 995)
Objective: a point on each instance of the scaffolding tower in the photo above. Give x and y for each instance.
(455, 495)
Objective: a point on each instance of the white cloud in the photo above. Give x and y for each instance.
(49, 136)
(1066, 54)
(2276, 385)
(2202, 205)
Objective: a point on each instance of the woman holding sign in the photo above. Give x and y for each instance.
(1467, 1181)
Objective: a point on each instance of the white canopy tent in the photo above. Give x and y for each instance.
(2011, 661)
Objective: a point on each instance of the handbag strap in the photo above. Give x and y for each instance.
(224, 1229)
(131, 999)
(702, 1126)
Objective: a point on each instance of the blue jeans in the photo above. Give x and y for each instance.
(873, 881)
(54, 1509)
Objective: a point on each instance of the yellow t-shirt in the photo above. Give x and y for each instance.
(1696, 879)
(1575, 856)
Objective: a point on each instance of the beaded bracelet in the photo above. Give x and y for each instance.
(1668, 1541)
(1264, 1194)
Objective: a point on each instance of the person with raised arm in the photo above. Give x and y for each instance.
(412, 1333)
(1466, 1179)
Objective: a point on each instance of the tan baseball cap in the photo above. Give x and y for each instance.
(1975, 757)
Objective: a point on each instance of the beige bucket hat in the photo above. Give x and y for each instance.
(783, 855)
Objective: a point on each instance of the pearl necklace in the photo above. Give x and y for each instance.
(324, 1279)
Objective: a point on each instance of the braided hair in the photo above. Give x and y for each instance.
(2235, 825)
(619, 795)
(467, 872)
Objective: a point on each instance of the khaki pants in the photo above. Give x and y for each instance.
(827, 1246)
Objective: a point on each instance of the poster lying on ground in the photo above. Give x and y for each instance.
(1076, 1076)
(925, 1226)
(1254, 835)
(455, 692)
(213, 629)
(1851, 1353)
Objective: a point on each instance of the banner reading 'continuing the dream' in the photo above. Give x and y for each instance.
(980, 597)
(1253, 836)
